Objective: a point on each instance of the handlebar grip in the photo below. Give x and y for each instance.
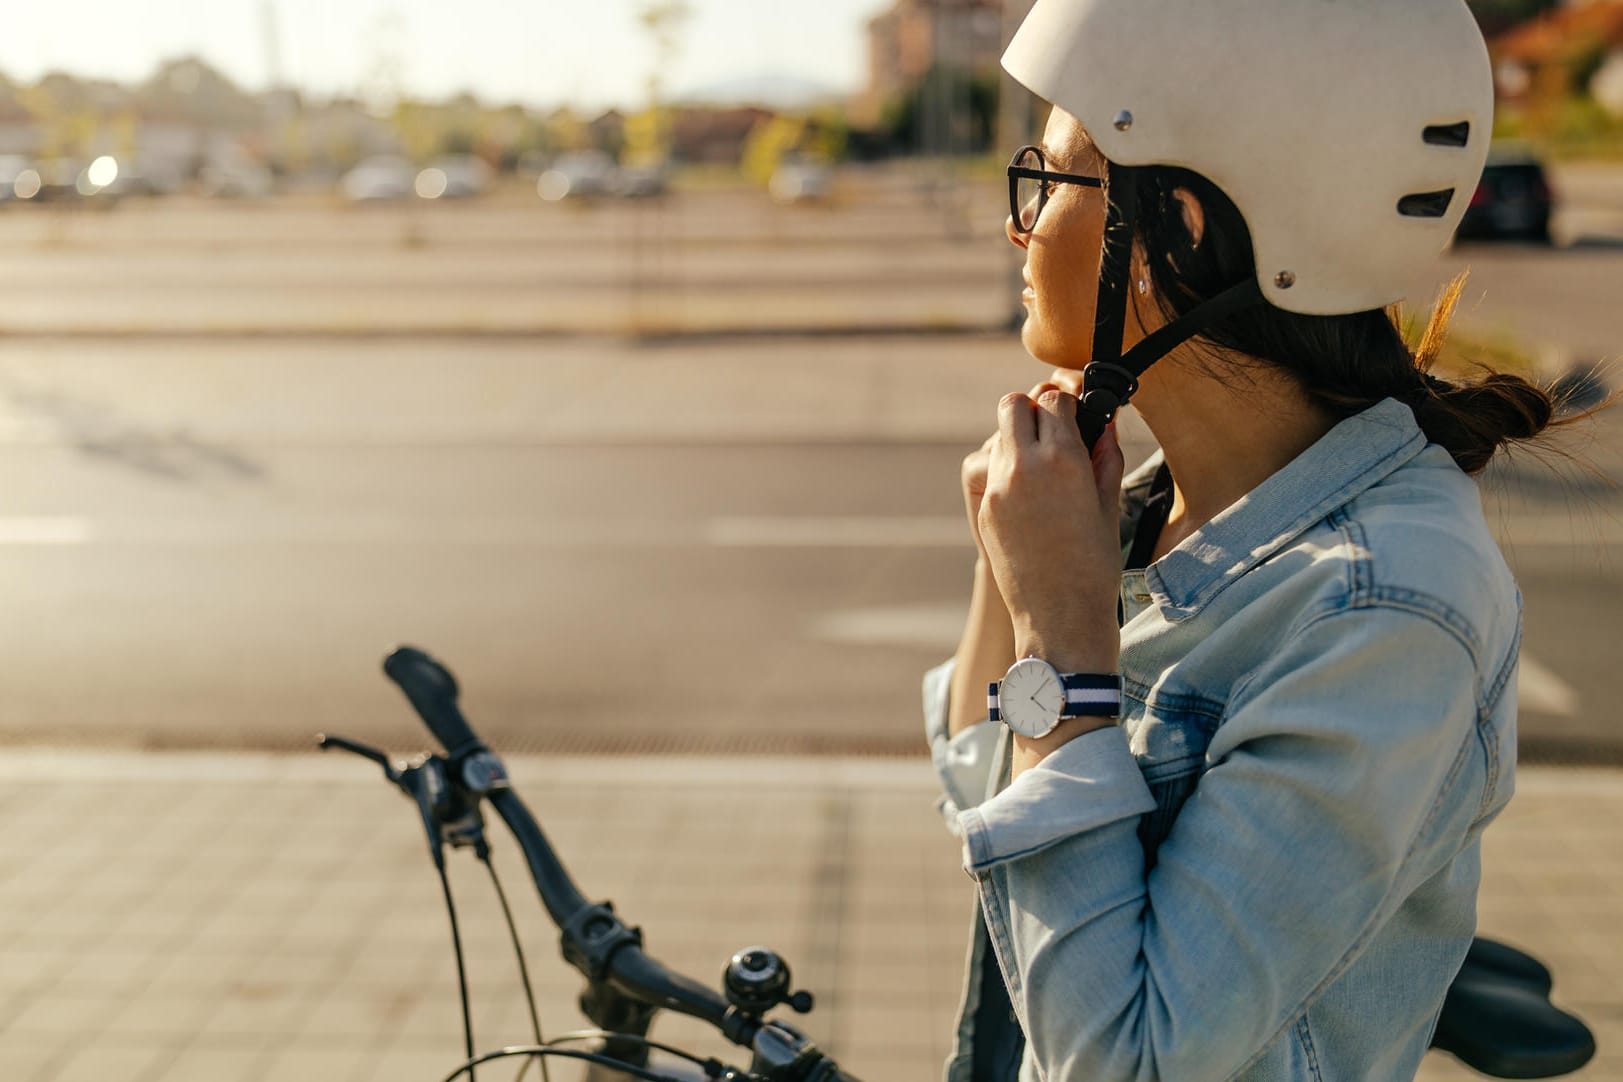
(432, 691)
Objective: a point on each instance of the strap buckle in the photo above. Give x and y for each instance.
(1106, 387)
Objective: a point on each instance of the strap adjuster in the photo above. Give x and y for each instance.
(1106, 387)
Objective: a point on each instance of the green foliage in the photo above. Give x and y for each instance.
(769, 143)
(949, 111)
(829, 134)
(648, 137)
(1570, 128)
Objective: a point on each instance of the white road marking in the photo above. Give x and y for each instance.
(937, 626)
(838, 532)
(1538, 689)
(44, 531)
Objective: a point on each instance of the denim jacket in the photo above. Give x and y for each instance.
(1269, 869)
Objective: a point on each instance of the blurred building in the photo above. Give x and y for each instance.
(18, 132)
(714, 135)
(914, 36)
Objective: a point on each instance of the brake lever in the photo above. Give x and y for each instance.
(446, 815)
(327, 743)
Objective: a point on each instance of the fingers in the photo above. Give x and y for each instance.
(1016, 419)
(975, 465)
(1059, 384)
(1108, 467)
(1056, 419)
(1068, 380)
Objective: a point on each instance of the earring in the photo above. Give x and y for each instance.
(1143, 286)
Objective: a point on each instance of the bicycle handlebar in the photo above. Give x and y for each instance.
(595, 941)
(433, 692)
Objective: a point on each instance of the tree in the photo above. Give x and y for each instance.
(1497, 16)
(949, 111)
(664, 21)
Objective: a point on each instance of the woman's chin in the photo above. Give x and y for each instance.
(1036, 342)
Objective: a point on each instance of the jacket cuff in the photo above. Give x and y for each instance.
(962, 763)
(1088, 783)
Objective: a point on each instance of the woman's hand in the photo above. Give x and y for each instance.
(977, 462)
(1048, 527)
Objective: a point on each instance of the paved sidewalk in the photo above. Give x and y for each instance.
(182, 918)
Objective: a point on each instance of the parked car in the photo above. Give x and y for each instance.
(1513, 200)
(640, 182)
(49, 181)
(578, 174)
(12, 169)
(801, 182)
(460, 176)
(236, 178)
(379, 178)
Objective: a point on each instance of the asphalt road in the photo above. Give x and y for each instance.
(752, 545)
(243, 450)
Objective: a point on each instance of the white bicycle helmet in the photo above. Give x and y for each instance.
(1350, 134)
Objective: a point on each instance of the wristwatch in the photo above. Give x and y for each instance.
(1034, 697)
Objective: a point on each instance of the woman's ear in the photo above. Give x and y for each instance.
(1194, 215)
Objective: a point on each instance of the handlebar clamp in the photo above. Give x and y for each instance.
(593, 935)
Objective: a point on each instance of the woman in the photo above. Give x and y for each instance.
(1243, 840)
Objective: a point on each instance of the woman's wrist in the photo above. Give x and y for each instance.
(984, 653)
(1072, 653)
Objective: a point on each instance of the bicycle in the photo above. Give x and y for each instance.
(1497, 1017)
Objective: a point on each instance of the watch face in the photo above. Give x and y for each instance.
(1031, 698)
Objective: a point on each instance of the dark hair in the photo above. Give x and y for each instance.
(1345, 363)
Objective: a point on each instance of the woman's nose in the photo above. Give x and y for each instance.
(1016, 238)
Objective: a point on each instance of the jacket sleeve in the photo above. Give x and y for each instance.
(1294, 847)
(963, 763)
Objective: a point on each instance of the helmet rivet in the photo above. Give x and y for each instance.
(1284, 279)
(1124, 120)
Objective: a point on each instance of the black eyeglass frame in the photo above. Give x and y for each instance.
(1018, 172)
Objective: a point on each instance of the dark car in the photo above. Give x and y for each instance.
(1513, 200)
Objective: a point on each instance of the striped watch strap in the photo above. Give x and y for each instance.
(1087, 695)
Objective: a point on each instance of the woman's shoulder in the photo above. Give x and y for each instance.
(1419, 541)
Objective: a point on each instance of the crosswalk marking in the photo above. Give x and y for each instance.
(44, 531)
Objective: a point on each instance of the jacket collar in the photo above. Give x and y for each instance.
(1353, 456)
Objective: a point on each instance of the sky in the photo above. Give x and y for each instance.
(540, 52)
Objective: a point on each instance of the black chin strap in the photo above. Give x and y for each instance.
(1110, 378)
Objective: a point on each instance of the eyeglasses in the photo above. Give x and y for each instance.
(1030, 185)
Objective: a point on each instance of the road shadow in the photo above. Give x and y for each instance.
(97, 430)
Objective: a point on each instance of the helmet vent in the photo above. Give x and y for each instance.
(1448, 135)
(1426, 204)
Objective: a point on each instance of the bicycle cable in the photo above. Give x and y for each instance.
(709, 1063)
(461, 971)
(539, 1051)
(523, 969)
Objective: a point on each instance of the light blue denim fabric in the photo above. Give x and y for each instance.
(1269, 870)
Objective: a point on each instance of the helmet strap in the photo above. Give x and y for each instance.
(1111, 378)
